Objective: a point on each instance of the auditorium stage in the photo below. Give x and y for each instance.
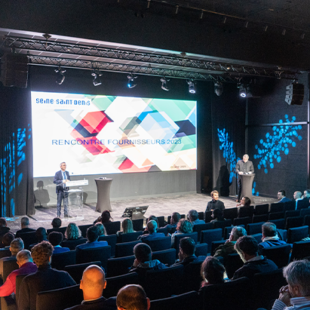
(159, 205)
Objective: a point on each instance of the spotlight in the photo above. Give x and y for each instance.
(191, 87)
(60, 75)
(242, 91)
(131, 80)
(218, 88)
(96, 80)
(164, 83)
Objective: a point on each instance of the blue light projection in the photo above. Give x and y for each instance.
(277, 144)
(228, 152)
(13, 156)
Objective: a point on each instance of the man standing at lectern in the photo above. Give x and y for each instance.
(244, 166)
(61, 178)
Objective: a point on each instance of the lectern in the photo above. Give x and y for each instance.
(247, 185)
(103, 194)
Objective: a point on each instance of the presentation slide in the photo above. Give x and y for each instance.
(96, 134)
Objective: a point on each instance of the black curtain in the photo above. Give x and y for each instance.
(15, 152)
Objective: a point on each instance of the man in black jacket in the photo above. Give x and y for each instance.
(45, 279)
(247, 248)
(215, 203)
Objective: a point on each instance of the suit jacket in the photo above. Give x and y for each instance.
(284, 199)
(24, 230)
(91, 245)
(217, 204)
(58, 180)
(45, 279)
(152, 236)
(58, 250)
(98, 304)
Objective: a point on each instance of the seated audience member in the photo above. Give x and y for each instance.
(229, 246)
(73, 232)
(92, 235)
(270, 236)
(26, 266)
(152, 232)
(143, 261)
(297, 197)
(215, 203)
(45, 279)
(3, 228)
(183, 227)
(295, 295)
(217, 215)
(247, 249)
(132, 297)
(24, 224)
(245, 202)
(282, 196)
(7, 239)
(152, 218)
(127, 227)
(212, 271)
(101, 229)
(55, 238)
(92, 284)
(105, 217)
(41, 235)
(174, 220)
(193, 217)
(186, 252)
(56, 223)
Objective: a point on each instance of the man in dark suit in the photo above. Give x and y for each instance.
(45, 279)
(60, 179)
(282, 196)
(92, 284)
(24, 223)
(244, 166)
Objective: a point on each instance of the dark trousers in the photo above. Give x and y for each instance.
(62, 196)
(239, 189)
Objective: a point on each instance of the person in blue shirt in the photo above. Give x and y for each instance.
(282, 196)
(193, 217)
(55, 238)
(92, 235)
(153, 234)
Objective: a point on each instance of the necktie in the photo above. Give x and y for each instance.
(65, 177)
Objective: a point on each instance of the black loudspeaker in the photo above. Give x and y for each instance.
(14, 70)
(295, 94)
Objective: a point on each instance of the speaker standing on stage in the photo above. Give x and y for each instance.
(61, 178)
(244, 166)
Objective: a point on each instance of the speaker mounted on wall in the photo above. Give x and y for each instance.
(14, 70)
(295, 94)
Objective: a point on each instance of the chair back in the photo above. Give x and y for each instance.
(192, 276)
(292, 213)
(304, 212)
(159, 244)
(161, 221)
(289, 205)
(258, 237)
(114, 284)
(60, 260)
(166, 257)
(59, 299)
(261, 209)
(301, 249)
(276, 215)
(5, 253)
(60, 229)
(19, 280)
(276, 207)
(222, 224)
(76, 271)
(215, 245)
(208, 216)
(280, 223)
(71, 244)
(112, 227)
(302, 204)
(137, 224)
(254, 228)
(199, 227)
(233, 263)
(230, 213)
(101, 254)
(119, 265)
(246, 211)
(260, 218)
(83, 229)
(297, 234)
(295, 221)
(242, 220)
(178, 237)
(125, 248)
(28, 238)
(111, 240)
(208, 236)
(278, 254)
(130, 236)
(9, 265)
(163, 230)
(201, 249)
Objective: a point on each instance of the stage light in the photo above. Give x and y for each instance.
(191, 87)
(164, 83)
(243, 91)
(96, 80)
(131, 79)
(60, 75)
(218, 88)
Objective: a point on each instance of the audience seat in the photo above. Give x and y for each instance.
(192, 277)
(8, 303)
(76, 271)
(137, 225)
(178, 237)
(71, 244)
(246, 211)
(163, 283)
(278, 254)
(208, 236)
(260, 218)
(60, 229)
(201, 249)
(222, 224)
(258, 237)
(201, 215)
(280, 223)
(161, 221)
(101, 254)
(59, 299)
(5, 253)
(304, 212)
(19, 280)
(233, 263)
(163, 230)
(261, 209)
(292, 213)
(229, 295)
(125, 248)
(208, 216)
(199, 227)
(159, 244)
(28, 238)
(302, 204)
(254, 228)
(120, 265)
(215, 245)
(114, 284)
(166, 257)
(230, 213)
(276, 215)
(276, 207)
(9, 264)
(129, 237)
(301, 249)
(60, 260)
(297, 234)
(242, 220)
(169, 218)
(292, 222)
(307, 221)
(83, 229)
(189, 300)
(112, 227)
(289, 205)
(111, 240)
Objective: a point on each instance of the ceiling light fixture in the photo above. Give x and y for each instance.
(60, 75)
(191, 87)
(164, 83)
(96, 80)
(218, 88)
(131, 79)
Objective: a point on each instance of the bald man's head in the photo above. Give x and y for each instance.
(151, 226)
(132, 297)
(93, 282)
